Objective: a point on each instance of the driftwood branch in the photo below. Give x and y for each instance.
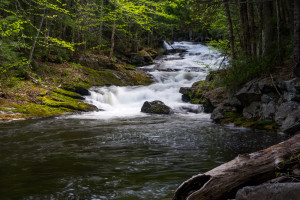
(247, 169)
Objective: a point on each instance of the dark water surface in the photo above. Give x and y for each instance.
(118, 159)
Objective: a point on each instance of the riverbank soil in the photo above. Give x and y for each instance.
(56, 88)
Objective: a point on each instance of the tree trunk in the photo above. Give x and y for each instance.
(260, 30)
(245, 28)
(231, 35)
(112, 40)
(297, 38)
(253, 37)
(268, 28)
(278, 25)
(247, 169)
(291, 14)
(36, 37)
(101, 25)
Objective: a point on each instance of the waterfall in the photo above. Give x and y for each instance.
(170, 72)
(167, 46)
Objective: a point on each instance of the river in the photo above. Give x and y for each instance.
(120, 153)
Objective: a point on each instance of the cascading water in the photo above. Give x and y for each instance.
(131, 155)
(170, 72)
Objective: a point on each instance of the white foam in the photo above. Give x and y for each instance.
(119, 102)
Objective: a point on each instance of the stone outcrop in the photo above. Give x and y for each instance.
(273, 101)
(261, 100)
(155, 107)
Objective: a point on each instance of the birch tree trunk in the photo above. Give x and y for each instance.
(36, 37)
(112, 40)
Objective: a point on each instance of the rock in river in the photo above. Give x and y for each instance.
(155, 107)
(287, 191)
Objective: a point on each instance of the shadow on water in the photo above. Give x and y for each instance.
(116, 159)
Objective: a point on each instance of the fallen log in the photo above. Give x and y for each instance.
(245, 170)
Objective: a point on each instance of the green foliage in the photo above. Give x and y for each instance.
(219, 26)
(284, 167)
(221, 45)
(11, 62)
(244, 69)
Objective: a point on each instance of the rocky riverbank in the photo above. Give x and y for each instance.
(269, 103)
(57, 87)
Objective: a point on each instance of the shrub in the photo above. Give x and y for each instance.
(244, 69)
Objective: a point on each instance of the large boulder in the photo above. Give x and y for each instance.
(137, 59)
(155, 107)
(252, 111)
(78, 89)
(218, 113)
(216, 96)
(268, 111)
(291, 89)
(292, 123)
(266, 86)
(279, 191)
(284, 110)
(249, 94)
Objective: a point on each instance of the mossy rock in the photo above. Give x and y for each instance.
(155, 107)
(238, 120)
(74, 95)
(58, 100)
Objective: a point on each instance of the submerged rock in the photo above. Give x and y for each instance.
(173, 51)
(155, 107)
(186, 93)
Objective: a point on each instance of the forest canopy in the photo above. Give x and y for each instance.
(261, 32)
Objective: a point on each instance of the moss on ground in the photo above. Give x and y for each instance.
(53, 89)
(57, 100)
(238, 120)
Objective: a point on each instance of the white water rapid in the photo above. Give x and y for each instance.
(170, 72)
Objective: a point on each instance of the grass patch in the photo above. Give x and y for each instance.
(238, 120)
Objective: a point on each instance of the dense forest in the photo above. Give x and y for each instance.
(128, 98)
(252, 31)
(42, 40)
